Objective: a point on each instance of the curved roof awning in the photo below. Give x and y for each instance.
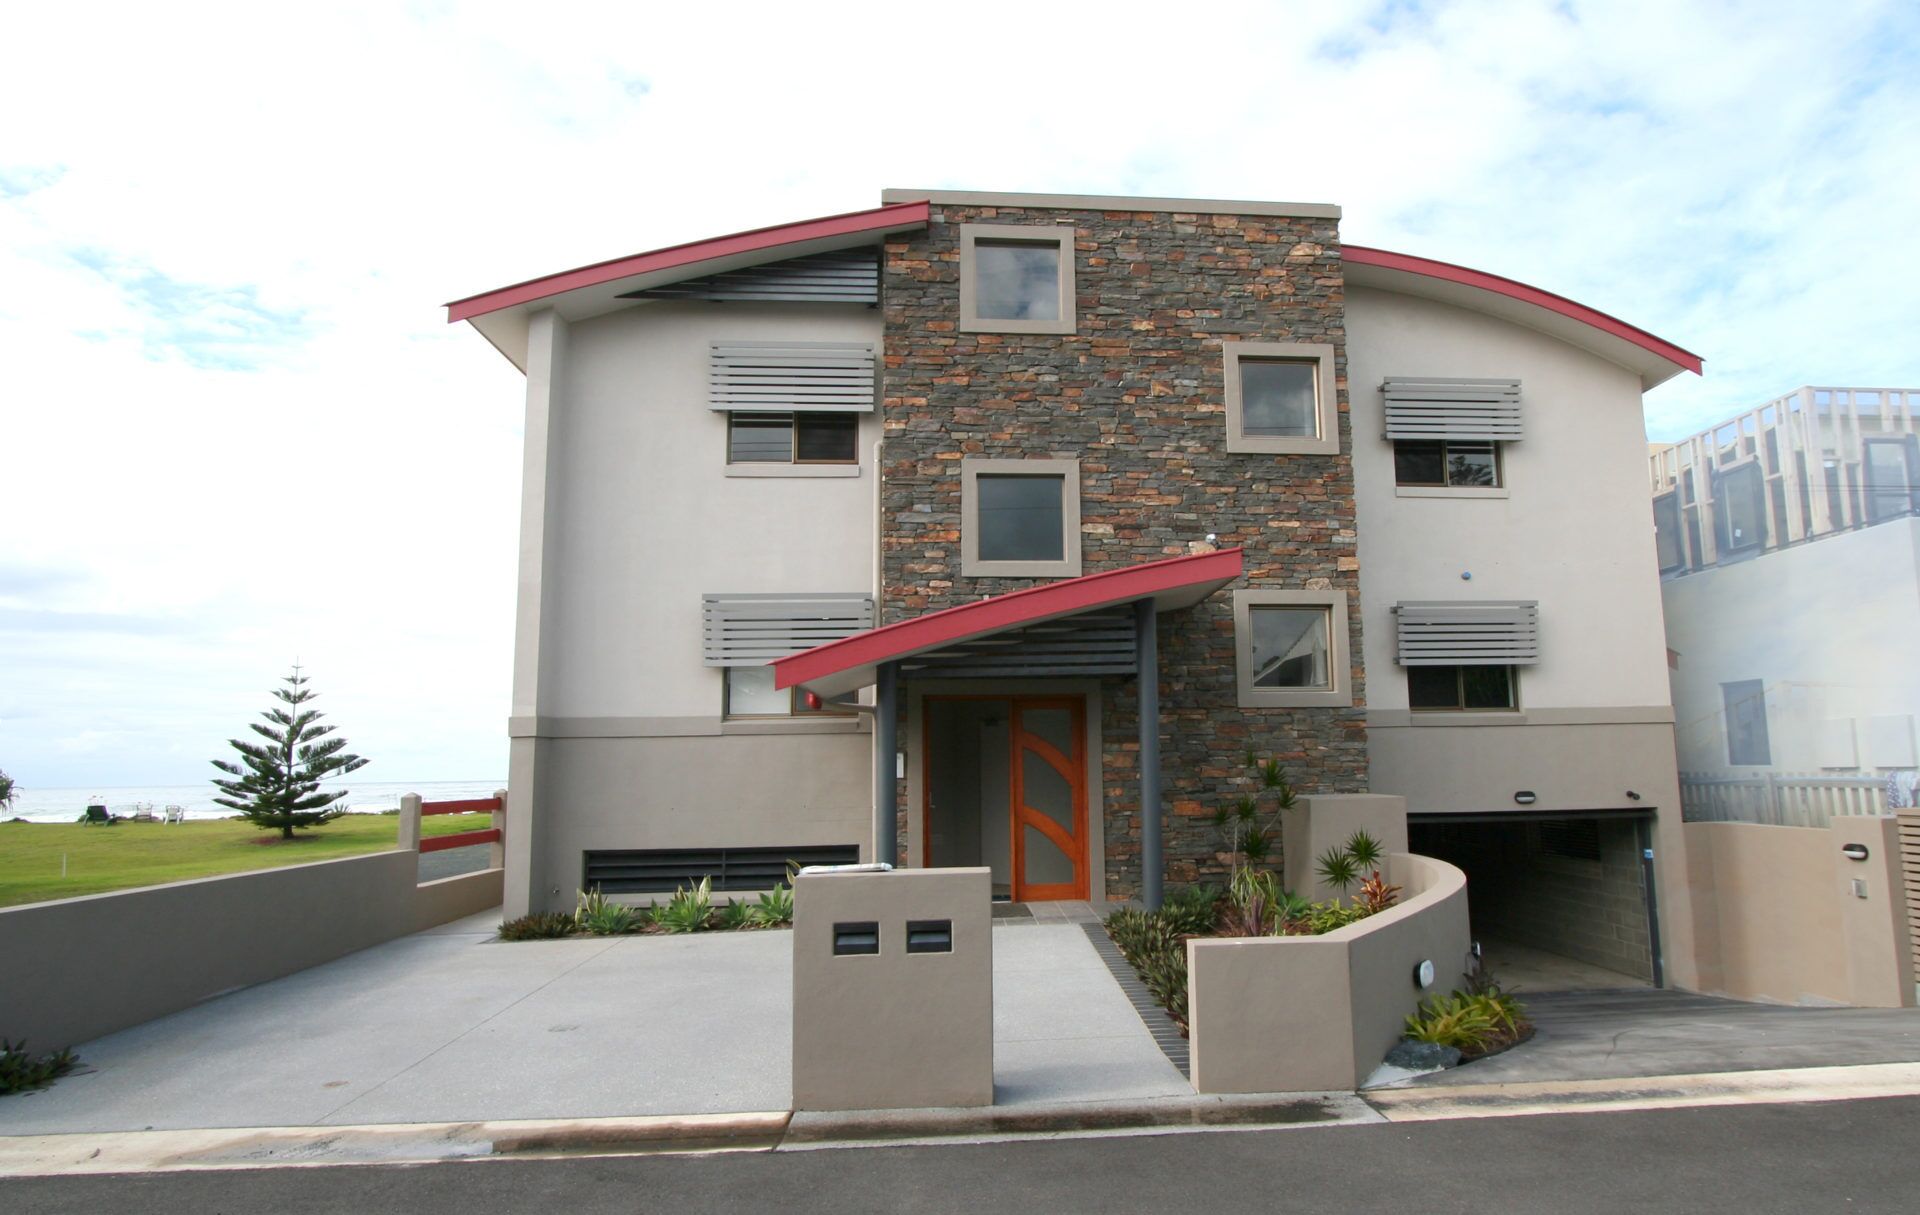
(1655, 359)
(839, 667)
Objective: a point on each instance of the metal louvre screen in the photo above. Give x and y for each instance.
(844, 276)
(1468, 634)
(753, 630)
(1480, 410)
(658, 870)
(791, 376)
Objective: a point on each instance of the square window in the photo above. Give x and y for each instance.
(1280, 398)
(1290, 649)
(1019, 518)
(1016, 278)
(1479, 689)
(1289, 646)
(1277, 398)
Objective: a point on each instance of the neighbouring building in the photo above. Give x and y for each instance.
(1790, 552)
(853, 538)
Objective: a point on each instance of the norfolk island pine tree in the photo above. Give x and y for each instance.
(278, 783)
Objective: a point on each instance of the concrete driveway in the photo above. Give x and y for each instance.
(452, 1025)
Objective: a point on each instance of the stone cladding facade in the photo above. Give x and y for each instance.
(1137, 395)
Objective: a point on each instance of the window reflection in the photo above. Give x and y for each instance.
(1016, 280)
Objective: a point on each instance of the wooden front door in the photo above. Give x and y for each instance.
(1048, 805)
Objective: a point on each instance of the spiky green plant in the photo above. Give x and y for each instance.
(689, 909)
(1455, 1020)
(775, 907)
(1192, 910)
(1366, 851)
(1337, 868)
(20, 1070)
(735, 915)
(540, 926)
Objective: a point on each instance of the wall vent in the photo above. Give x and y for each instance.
(663, 870)
(843, 276)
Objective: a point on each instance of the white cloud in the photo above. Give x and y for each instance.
(234, 409)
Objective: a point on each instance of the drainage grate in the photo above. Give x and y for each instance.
(1165, 1033)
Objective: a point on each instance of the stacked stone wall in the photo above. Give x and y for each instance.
(1137, 395)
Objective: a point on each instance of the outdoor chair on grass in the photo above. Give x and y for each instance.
(97, 815)
(173, 814)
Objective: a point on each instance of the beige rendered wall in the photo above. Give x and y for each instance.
(893, 1030)
(80, 968)
(1829, 628)
(629, 516)
(1783, 921)
(1323, 822)
(1572, 528)
(713, 791)
(1300, 1014)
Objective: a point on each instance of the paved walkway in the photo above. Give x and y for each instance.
(452, 1025)
(1646, 1032)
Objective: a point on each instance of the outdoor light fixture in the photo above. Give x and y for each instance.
(1524, 798)
(1423, 974)
(1632, 796)
(1854, 852)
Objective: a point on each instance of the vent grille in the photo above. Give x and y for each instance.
(1094, 643)
(844, 276)
(1453, 409)
(791, 377)
(753, 630)
(658, 870)
(1468, 634)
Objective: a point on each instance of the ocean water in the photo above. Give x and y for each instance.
(66, 805)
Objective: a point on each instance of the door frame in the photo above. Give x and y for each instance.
(918, 786)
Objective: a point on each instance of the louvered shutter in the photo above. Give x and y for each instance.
(792, 377)
(844, 276)
(753, 630)
(1468, 634)
(1476, 410)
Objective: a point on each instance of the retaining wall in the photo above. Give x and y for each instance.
(75, 969)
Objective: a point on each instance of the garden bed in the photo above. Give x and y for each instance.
(690, 909)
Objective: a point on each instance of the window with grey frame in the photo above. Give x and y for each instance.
(1466, 689)
(793, 438)
(1746, 709)
(1017, 280)
(1021, 517)
(1889, 466)
(1290, 646)
(1739, 509)
(1447, 431)
(1453, 463)
(1669, 541)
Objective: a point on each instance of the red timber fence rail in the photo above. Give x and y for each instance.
(413, 809)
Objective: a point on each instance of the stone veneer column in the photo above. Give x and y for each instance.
(1137, 396)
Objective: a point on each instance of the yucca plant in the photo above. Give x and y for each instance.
(1337, 868)
(689, 909)
(1366, 851)
(775, 907)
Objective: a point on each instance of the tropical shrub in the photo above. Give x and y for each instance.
(1456, 1020)
(540, 926)
(20, 1070)
(602, 917)
(689, 909)
(735, 915)
(1192, 910)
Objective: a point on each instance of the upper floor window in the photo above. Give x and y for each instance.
(1290, 648)
(1465, 688)
(1451, 463)
(1280, 398)
(1668, 542)
(1740, 508)
(1016, 279)
(1019, 518)
(1447, 433)
(1746, 707)
(793, 438)
(750, 693)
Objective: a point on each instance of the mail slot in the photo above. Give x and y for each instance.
(857, 938)
(929, 936)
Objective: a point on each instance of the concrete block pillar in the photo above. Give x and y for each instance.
(1873, 911)
(410, 822)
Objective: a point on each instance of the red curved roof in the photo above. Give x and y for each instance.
(1361, 255)
(1198, 574)
(880, 219)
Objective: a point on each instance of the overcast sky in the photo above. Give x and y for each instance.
(236, 430)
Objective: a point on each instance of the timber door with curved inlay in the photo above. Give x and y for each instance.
(1048, 805)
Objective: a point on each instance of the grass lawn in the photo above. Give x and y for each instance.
(146, 854)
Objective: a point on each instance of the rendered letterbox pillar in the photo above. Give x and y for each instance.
(892, 989)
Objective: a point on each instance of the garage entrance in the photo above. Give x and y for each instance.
(1559, 902)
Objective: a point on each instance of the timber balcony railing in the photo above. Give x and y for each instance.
(412, 810)
(1780, 799)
